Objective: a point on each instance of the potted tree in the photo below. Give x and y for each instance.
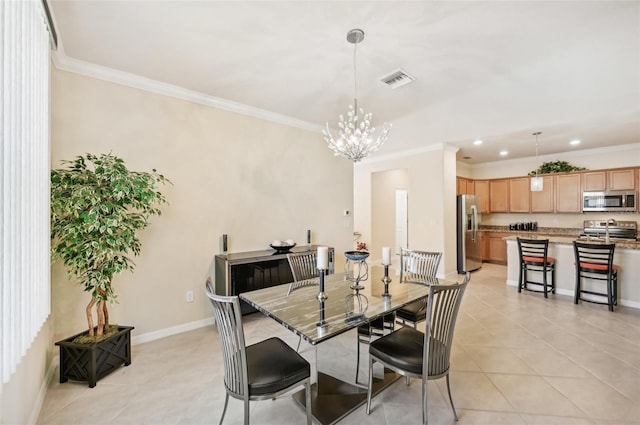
(98, 207)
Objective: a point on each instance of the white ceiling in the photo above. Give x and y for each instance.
(490, 70)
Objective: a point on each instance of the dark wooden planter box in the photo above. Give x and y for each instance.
(83, 362)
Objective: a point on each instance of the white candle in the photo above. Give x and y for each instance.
(323, 258)
(386, 255)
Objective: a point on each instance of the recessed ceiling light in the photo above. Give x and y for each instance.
(477, 142)
(504, 153)
(574, 142)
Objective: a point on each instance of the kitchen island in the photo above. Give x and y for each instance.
(627, 256)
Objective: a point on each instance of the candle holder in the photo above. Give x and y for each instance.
(386, 280)
(356, 268)
(322, 323)
(321, 294)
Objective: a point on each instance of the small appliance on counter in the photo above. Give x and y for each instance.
(530, 226)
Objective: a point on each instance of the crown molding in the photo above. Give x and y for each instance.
(405, 153)
(63, 62)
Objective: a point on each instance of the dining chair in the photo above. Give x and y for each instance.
(411, 353)
(416, 267)
(595, 263)
(261, 371)
(533, 257)
(304, 268)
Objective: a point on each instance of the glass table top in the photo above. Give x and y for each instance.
(302, 312)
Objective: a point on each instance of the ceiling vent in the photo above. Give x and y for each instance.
(397, 78)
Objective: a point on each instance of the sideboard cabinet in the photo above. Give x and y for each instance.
(247, 271)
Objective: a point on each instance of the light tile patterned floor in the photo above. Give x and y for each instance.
(518, 359)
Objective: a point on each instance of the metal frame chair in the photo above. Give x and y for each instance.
(595, 262)
(261, 371)
(412, 353)
(533, 257)
(304, 268)
(417, 267)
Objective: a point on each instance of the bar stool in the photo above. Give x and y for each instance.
(595, 262)
(534, 258)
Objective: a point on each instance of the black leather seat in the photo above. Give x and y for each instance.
(411, 353)
(260, 371)
(414, 312)
(272, 365)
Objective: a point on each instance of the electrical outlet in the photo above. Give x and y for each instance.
(189, 296)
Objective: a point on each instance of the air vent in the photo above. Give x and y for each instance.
(397, 78)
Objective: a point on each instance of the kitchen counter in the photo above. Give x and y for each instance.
(627, 257)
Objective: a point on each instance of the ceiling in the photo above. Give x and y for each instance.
(491, 70)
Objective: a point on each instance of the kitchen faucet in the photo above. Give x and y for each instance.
(606, 229)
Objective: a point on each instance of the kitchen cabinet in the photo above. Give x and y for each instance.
(482, 190)
(618, 179)
(543, 202)
(497, 247)
(464, 186)
(624, 179)
(568, 194)
(499, 195)
(594, 180)
(519, 195)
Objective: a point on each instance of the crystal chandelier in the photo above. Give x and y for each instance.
(356, 138)
(536, 182)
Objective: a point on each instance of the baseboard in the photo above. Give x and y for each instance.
(162, 333)
(570, 293)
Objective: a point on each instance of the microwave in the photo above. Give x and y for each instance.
(610, 200)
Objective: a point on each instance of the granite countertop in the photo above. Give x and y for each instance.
(547, 231)
(568, 240)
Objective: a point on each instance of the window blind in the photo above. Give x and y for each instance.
(24, 179)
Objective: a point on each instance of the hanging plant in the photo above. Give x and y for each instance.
(556, 167)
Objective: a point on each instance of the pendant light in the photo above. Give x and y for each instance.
(356, 138)
(537, 182)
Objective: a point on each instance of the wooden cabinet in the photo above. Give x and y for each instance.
(497, 247)
(519, 195)
(594, 180)
(464, 186)
(543, 202)
(482, 190)
(621, 179)
(499, 195)
(568, 194)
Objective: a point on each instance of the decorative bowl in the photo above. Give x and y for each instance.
(282, 248)
(356, 255)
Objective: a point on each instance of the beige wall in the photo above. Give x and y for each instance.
(431, 205)
(251, 179)
(383, 209)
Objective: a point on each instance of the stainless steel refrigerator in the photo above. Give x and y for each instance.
(469, 242)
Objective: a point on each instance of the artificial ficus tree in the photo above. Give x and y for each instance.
(98, 207)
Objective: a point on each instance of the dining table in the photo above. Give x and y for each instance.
(347, 305)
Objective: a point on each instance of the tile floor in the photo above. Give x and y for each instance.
(518, 359)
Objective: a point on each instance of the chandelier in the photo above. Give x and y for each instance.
(356, 138)
(537, 182)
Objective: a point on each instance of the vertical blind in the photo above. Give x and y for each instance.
(24, 179)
